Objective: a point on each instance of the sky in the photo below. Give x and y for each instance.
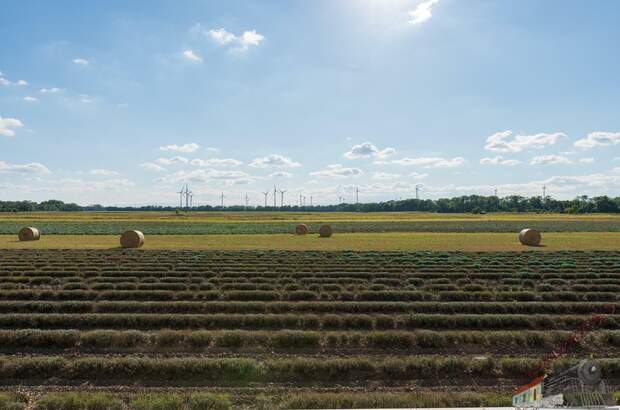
(124, 103)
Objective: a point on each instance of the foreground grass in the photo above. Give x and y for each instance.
(409, 241)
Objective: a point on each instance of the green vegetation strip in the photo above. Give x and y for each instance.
(96, 227)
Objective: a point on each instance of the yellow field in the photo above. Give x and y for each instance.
(354, 241)
(231, 217)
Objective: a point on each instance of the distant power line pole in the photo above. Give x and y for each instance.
(544, 197)
(357, 195)
(417, 191)
(311, 200)
(495, 192)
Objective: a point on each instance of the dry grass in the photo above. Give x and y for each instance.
(355, 241)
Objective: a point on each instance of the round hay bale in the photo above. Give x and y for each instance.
(301, 229)
(325, 231)
(530, 237)
(132, 239)
(29, 234)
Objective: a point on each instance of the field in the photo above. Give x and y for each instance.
(271, 320)
(157, 223)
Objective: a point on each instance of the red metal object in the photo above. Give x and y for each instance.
(572, 339)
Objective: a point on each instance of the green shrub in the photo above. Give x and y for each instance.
(158, 402)
(10, 401)
(78, 401)
(206, 401)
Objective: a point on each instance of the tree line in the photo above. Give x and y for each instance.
(461, 204)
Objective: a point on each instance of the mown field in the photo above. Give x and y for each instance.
(280, 329)
(388, 241)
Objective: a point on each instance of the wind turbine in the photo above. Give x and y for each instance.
(181, 192)
(188, 193)
(275, 196)
(222, 199)
(247, 200)
(266, 193)
(282, 192)
(357, 195)
(417, 191)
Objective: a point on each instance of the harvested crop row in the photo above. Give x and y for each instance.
(299, 322)
(212, 307)
(303, 295)
(202, 340)
(241, 371)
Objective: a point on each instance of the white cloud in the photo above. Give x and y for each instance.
(239, 43)
(192, 56)
(6, 82)
(70, 184)
(52, 90)
(150, 166)
(337, 171)
(280, 174)
(172, 161)
(102, 172)
(250, 38)
(416, 175)
(274, 161)
(8, 126)
(30, 99)
(368, 150)
(550, 160)
(80, 61)
(423, 12)
(586, 160)
(428, 162)
(385, 175)
(221, 36)
(216, 162)
(31, 168)
(499, 142)
(599, 139)
(185, 148)
(205, 175)
(499, 160)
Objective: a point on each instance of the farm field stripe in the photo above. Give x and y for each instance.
(241, 371)
(204, 341)
(469, 242)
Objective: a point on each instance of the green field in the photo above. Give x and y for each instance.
(279, 223)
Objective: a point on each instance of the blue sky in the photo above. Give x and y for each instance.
(124, 102)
